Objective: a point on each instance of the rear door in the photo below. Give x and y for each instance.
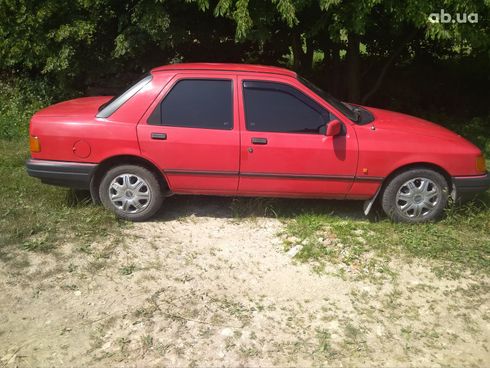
(285, 151)
(191, 133)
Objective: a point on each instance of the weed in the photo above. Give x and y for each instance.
(127, 270)
(146, 343)
(324, 342)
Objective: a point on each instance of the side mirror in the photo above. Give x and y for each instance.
(334, 128)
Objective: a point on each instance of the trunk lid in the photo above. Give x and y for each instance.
(85, 106)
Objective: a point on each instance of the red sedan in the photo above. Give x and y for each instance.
(245, 130)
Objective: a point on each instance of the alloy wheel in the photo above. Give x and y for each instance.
(129, 193)
(418, 197)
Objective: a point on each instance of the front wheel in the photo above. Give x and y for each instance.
(414, 196)
(131, 192)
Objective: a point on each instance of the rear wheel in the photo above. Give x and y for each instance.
(131, 192)
(416, 195)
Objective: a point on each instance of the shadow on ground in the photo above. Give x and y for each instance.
(228, 207)
(179, 206)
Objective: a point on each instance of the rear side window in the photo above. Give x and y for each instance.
(277, 107)
(196, 103)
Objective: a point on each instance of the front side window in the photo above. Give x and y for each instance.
(277, 107)
(196, 103)
(357, 114)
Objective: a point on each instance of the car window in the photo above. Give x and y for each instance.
(196, 103)
(108, 108)
(278, 107)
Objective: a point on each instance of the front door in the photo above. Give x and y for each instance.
(284, 149)
(191, 133)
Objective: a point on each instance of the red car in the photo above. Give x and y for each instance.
(246, 130)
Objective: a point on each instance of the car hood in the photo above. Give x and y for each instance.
(85, 106)
(389, 120)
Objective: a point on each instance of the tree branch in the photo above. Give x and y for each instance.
(387, 65)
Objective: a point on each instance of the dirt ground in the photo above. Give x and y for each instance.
(198, 287)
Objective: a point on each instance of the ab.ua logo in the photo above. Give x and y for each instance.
(443, 17)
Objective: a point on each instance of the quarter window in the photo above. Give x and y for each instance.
(277, 107)
(108, 108)
(196, 103)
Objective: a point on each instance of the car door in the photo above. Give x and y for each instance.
(191, 133)
(285, 151)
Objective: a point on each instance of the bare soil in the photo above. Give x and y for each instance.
(198, 287)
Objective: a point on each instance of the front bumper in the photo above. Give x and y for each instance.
(67, 174)
(468, 186)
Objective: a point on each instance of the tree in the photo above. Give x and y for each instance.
(337, 28)
(349, 46)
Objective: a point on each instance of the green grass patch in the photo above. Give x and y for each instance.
(38, 217)
(461, 241)
(338, 232)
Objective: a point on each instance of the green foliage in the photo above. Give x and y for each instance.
(145, 23)
(19, 99)
(242, 17)
(81, 41)
(46, 36)
(476, 130)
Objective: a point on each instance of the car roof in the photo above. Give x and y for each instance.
(226, 67)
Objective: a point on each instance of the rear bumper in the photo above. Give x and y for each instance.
(467, 186)
(67, 174)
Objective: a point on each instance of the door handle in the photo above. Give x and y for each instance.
(259, 140)
(160, 136)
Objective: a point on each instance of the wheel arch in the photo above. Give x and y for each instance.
(414, 165)
(113, 161)
(419, 165)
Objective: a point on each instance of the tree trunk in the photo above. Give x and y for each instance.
(394, 55)
(307, 62)
(353, 69)
(336, 72)
(331, 67)
(297, 50)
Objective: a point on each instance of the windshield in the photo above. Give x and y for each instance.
(108, 108)
(345, 108)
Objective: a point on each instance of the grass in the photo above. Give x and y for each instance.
(37, 217)
(332, 233)
(127, 270)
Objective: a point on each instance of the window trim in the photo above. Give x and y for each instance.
(343, 107)
(114, 105)
(290, 90)
(184, 78)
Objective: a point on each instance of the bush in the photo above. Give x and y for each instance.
(20, 98)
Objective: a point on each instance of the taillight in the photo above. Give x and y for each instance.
(34, 144)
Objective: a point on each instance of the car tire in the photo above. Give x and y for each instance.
(415, 196)
(132, 192)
